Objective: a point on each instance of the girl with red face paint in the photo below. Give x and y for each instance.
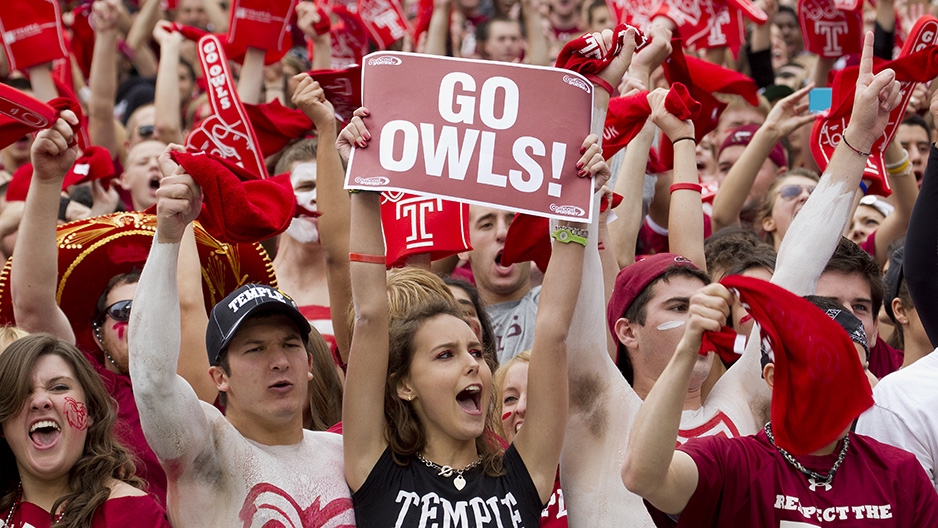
(59, 462)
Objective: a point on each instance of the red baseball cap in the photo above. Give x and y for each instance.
(632, 279)
(743, 135)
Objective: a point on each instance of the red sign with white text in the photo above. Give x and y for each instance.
(477, 132)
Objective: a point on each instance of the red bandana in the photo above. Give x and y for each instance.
(828, 31)
(421, 224)
(911, 68)
(227, 132)
(238, 207)
(820, 387)
(32, 33)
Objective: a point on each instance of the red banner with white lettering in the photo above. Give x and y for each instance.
(226, 133)
(384, 20)
(415, 225)
(32, 32)
(828, 31)
(475, 131)
(262, 24)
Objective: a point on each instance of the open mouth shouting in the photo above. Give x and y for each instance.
(44, 433)
(470, 399)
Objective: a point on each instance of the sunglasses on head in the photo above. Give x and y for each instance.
(792, 191)
(145, 131)
(119, 311)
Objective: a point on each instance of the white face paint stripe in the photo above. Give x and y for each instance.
(668, 325)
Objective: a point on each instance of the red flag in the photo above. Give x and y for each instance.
(421, 224)
(918, 62)
(828, 31)
(32, 32)
(384, 20)
(227, 133)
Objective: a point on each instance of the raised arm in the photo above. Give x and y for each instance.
(34, 275)
(171, 415)
(540, 443)
(103, 78)
(685, 216)
(333, 204)
(787, 116)
(193, 358)
(167, 120)
(307, 16)
(537, 51)
(438, 30)
(363, 420)
(653, 469)
(624, 229)
(815, 232)
(904, 192)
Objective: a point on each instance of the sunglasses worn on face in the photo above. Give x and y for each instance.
(119, 311)
(792, 191)
(145, 131)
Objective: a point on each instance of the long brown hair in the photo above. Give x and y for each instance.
(414, 297)
(325, 389)
(103, 458)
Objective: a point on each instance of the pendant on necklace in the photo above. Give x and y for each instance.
(459, 482)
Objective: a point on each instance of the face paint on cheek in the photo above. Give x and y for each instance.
(75, 414)
(120, 327)
(506, 415)
(668, 325)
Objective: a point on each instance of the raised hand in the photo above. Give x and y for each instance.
(54, 150)
(355, 134)
(591, 164)
(789, 114)
(105, 15)
(708, 310)
(652, 55)
(608, 40)
(672, 127)
(311, 99)
(876, 96)
(178, 203)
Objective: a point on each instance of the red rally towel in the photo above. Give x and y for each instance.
(422, 224)
(262, 24)
(343, 88)
(238, 207)
(276, 125)
(32, 32)
(627, 115)
(828, 31)
(232, 51)
(820, 387)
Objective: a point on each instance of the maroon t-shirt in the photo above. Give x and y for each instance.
(745, 481)
(139, 512)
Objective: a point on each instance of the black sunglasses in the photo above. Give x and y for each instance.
(146, 131)
(119, 311)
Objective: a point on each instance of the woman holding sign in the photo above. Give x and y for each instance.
(418, 415)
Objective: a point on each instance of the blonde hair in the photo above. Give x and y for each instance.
(498, 381)
(9, 334)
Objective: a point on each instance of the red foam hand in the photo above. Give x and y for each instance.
(415, 225)
(227, 133)
(585, 56)
(912, 67)
(32, 33)
(276, 125)
(820, 386)
(828, 31)
(238, 207)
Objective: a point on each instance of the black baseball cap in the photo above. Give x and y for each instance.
(228, 315)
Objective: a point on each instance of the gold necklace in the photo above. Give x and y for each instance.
(447, 471)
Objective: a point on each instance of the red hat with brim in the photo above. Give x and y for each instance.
(93, 250)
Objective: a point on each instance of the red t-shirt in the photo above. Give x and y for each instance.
(745, 481)
(139, 512)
